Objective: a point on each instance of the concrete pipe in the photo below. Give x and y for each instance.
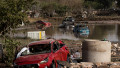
(96, 51)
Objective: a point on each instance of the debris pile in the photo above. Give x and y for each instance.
(95, 65)
(115, 52)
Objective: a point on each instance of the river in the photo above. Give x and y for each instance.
(97, 31)
(109, 32)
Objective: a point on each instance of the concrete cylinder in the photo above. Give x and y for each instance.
(96, 51)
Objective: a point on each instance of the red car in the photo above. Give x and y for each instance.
(42, 24)
(42, 54)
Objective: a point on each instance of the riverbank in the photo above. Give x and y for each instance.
(102, 22)
(96, 20)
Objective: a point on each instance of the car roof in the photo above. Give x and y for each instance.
(47, 41)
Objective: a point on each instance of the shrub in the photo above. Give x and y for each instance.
(9, 50)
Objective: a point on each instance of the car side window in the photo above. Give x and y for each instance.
(24, 53)
(55, 46)
(61, 45)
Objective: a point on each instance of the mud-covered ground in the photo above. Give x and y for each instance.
(74, 45)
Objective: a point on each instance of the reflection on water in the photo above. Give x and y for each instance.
(108, 32)
(118, 32)
(112, 34)
(79, 35)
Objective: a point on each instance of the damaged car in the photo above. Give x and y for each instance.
(42, 24)
(42, 54)
(83, 30)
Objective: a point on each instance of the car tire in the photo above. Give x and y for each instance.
(53, 65)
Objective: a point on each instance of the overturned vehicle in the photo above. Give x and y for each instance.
(42, 54)
(68, 21)
(81, 29)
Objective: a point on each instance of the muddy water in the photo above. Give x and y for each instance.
(97, 31)
(109, 32)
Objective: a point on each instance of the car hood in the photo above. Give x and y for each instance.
(31, 59)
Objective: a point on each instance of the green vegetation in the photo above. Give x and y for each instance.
(60, 8)
(98, 4)
(53, 7)
(10, 50)
(12, 13)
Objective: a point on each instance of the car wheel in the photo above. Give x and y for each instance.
(53, 65)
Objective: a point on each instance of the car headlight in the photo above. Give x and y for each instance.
(44, 61)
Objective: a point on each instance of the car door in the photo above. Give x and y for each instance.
(56, 51)
(63, 52)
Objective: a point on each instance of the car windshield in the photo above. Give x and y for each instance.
(69, 18)
(35, 49)
(81, 26)
(40, 48)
